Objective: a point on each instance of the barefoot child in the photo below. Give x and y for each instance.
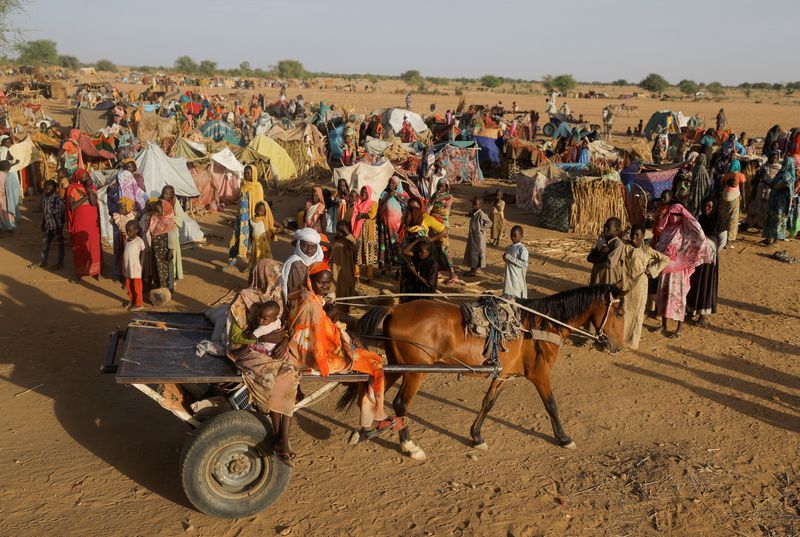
(498, 216)
(475, 253)
(52, 223)
(516, 258)
(132, 259)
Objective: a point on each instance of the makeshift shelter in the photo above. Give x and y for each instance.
(282, 166)
(226, 173)
(190, 150)
(247, 155)
(583, 205)
(153, 128)
(460, 160)
(393, 119)
(220, 130)
(91, 152)
(531, 184)
(159, 170)
(31, 167)
(306, 147)
(652, 179)
(92, 121)
(666, 120)
(363, 174)
(490, 149)
(520, 154)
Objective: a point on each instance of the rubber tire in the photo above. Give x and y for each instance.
(248, 428)
(549, 129)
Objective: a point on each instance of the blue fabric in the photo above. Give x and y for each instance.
(151, 107)
(490, 149)
(583, 156)
(219, 130)
(335, 142)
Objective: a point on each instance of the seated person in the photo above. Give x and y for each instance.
(269, 322)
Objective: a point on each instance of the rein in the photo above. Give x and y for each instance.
(600, 337)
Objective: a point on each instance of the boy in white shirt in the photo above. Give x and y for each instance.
(516, 258)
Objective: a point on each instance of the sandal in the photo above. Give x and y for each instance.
(286, 457)
(395, 423)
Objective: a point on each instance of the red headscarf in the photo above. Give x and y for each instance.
(361, 206)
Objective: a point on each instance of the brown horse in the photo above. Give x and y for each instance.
(424, 332)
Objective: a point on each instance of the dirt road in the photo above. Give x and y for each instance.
(695, 436)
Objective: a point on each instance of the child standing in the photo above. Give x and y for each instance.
(262, 232)
(421, 273)
(343, 260)
(133, 258)
(124, 214)
(498, 216)
(475, 254)
(607, 256)
(516, 258)
(52, 223)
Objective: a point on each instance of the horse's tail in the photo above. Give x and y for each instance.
(370, 325)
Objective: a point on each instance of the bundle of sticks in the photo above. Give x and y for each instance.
(593, 203)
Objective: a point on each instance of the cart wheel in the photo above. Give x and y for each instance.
(549, 130)
(228, 469)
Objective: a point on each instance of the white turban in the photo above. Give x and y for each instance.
(305, 234)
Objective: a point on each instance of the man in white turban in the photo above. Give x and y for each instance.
(307, 251)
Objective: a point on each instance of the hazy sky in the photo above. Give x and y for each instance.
(706, 40)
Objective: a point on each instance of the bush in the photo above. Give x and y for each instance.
(185, 64)
(654, 82)
(105, 65)
(620, 82)
(716, 89)
(412, 77)
(491, 81)
(290, 69)
(207, 67)
(40, 52)
(69, 62)
(562, 83)
(688, 87)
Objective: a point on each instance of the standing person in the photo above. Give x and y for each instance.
(516, 259)
(251, 193)
(342, 200)
(721, 119)
(771, 140)
(759, 193)
(608, 255)
(779, 202)
(700, 186)
(475, 253)
(683, 241)
(534, 125)
(498, 216)
(130, 188)
(83, 218)
(307, 251)
(162, 222)
(262, 232)
(704, 282)
(11, 193)
(365, 230)
(421, 269)
(642, 264)
(6, 216)
(729, 204)
(391, 208)
(176, 267)
(707, 142)
(343, 260)
(52, 224)
(124, 214)
(408, 101)
(439, 209)
(315, 215)
(407, 133)
(133, 258)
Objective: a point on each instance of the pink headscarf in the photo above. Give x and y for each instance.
(361, 206)
(683, 240)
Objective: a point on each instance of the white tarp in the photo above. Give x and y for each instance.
(198, 146)
(363, 174)
(227, 160)
(25, 152)
(394, 118)
(159, 170)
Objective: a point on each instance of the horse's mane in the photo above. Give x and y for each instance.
(567, 305)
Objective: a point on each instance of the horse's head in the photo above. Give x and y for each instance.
(608, 318)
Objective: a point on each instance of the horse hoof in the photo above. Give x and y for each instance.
(413, 451)
(570, 445)
(418, 455)
(355, 438)
(483, 446)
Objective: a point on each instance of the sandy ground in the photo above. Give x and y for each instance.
(694, 436)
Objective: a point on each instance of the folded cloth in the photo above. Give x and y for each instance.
(213, 348)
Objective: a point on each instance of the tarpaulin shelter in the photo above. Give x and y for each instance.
(460, 160)
(153, 128)
(363, 174)
(92, 121)
(335, 142)
(306, 147)
(227, 159)
(159, 170)
(282, 166)
(671, 122)
(652, 179)
(490, 149)
(190, 150)
(31, 167)
(89, 150)
(220, 130)
(393, 118)
(532, 182)
(226, 173)
(247, 155)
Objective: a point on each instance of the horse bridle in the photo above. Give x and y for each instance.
(601, 336)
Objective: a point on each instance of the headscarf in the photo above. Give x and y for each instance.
(700, 187)
(708, 222)
(163, 223)
(787, 174)
(129, 188)
(264, 286)
(361, 206)
(128, 160)
(301, 235)
(683, 241)
(315, 210)
(735, 167)
(126, 204)
(253, 188)
(318, 267)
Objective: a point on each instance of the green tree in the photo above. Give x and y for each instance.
(491, 81)
(207, 67)
(69, 62)
(562, 83)
(412, 77)
(777, 86)
(105, 65)
(244, 67)
(39, 52)
(716, 89)
(655, 83)
(290, 69)
(8, 35)
(688, 87)
(185, 64)
(620, 82)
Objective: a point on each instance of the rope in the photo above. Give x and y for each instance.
(422, 346)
